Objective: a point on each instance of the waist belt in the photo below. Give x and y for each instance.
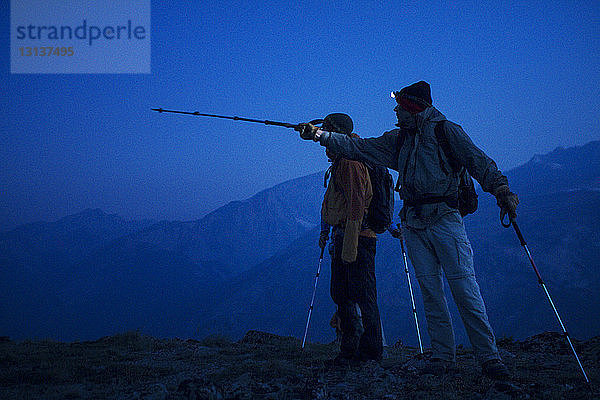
(450, 201)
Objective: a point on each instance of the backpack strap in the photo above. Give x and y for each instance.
(442, 139)
(331, 171)
(399, 143)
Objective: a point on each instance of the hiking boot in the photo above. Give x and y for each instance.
(496, 370)
(437, 367)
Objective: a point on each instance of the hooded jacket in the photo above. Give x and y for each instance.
(346, 201)
(424, 171)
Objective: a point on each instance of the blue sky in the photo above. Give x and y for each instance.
(521, 78)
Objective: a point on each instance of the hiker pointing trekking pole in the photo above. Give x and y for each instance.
(512, 221)
(431, 155)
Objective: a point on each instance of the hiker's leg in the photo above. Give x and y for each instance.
(349, 320)
(429, 275)
(454, 250)
(363, 290)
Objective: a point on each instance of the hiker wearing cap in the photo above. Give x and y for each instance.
(433, 227)
(349, 193)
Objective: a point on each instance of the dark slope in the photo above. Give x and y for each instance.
(563, 232)
(91, 273)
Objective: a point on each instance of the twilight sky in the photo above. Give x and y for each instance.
(521, 78)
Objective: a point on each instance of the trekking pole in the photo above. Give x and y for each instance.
(312, 300)
(234, 118)
(198, 114)
(412, 297)
(513, 222)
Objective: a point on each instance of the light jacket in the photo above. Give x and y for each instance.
(346, 200)
(424, 170)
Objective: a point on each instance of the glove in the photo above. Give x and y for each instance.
(507, 201)
(397, 232)
(323, 238)
(308, 132)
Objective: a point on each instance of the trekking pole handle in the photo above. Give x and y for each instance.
(513, 222)
(503, 215)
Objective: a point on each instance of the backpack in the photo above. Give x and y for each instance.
(380, 213)
(467, 196)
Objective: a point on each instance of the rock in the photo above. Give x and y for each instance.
(493, 394)
(505, 354)
(547, 342)
(272, 367)
(258, 337)
(505, 390)
(243, 382)
(158, 391)
(74, 392)
(196, 389)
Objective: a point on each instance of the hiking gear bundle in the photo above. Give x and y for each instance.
(513, 222)
(412, 297)
(312, 300)
(381, 209)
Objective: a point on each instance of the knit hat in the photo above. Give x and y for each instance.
(415, 98)
(339, 122)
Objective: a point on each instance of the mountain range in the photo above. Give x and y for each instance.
(251, 265)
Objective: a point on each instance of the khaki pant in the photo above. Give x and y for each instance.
(444, 246)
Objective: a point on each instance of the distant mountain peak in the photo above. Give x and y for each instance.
(563, 169)
(92, 212)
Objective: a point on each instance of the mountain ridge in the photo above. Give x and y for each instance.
(275, 231)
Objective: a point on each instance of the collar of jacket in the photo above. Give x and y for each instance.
(430, 114)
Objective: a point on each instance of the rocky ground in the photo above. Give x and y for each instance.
(266, 366)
